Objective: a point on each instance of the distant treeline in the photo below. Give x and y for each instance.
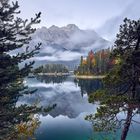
(51, 68)
(96, 63)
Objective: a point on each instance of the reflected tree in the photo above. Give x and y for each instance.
(88, 86)
(51, 79)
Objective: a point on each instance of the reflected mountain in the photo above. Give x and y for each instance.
(70, 96)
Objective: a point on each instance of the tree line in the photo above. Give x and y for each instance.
(51, 68)
(96, 63)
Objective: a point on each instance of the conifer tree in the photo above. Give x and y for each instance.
(15, 34)
(122, 84)
(127, 49)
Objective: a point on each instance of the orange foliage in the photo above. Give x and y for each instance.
(91, 55)
(84, 62)
(27, 129)
(94, 62)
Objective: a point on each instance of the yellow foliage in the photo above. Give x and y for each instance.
(27, 129)
(84, 62)
(94, 62)
(117, 61)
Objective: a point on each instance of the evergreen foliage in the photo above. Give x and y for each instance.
(15, 34)
(122, 83)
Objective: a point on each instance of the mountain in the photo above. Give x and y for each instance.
(66, 44)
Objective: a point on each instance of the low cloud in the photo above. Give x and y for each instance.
(111, 27)
(59, 56)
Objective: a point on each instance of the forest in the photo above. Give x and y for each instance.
(96, 63)
(51, 68)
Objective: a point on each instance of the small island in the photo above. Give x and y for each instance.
(95, 65)
(51, 70)
(90, 76)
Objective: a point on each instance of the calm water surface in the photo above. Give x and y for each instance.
(66, 121)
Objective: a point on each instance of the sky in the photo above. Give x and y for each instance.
(104, 16)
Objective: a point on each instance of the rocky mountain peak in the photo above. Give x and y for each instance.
(72, 27)
(53, 27)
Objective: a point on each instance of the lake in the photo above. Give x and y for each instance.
(67, 120)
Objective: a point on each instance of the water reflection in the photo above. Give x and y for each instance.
(88, 86)
(67, 121)
(64, 128)
(51, 79)
(63, 92)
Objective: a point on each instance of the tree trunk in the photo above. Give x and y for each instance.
(127, 124)
(134, 90)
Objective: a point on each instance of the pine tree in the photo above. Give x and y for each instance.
(15, 34)
(81, 61)
(128, 50)
(122, 84)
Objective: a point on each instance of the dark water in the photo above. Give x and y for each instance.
(66, 121)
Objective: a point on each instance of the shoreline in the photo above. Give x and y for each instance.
(76, 76)
(90, 76)
(53, 74)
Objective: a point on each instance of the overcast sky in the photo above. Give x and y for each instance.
(103, 16)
